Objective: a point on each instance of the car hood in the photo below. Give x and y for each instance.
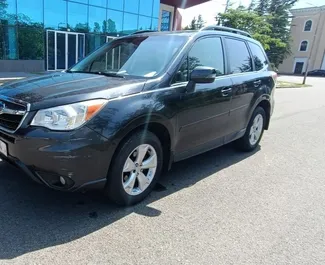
(64, 88)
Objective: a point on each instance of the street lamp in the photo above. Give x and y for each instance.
(312, 44)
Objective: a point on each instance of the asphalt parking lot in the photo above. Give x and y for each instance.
(222, 207)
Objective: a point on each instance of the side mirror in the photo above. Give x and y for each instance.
(203, 74)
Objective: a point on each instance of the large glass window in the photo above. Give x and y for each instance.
(114, 21)
(97, 19)
(146, 7)
(165, 20)
(131, 6)
(101, 3)
(82, 1)
(30, 11)
(238, 56)
(31, 42)
(144, 23)
(50, 50)
(138, 56)
(259, 58)
(8, 42)
(115, 4)
(130, 23)
(55, 14)
(156, 8)
(61, 50)
(155, 24)
(8, 12)
(94, 42)
(77, 17)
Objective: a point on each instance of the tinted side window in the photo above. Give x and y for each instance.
(205, 52)
(259, 58)
(238, 56)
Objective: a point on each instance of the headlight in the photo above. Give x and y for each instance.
(68, 117)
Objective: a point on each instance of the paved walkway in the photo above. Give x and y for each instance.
(311, 80)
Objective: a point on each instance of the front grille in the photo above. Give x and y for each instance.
(11, 115)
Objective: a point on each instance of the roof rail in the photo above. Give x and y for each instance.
(143, 31)
(227, 29)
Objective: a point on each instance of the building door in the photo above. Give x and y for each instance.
(64, 49)
(298, 67)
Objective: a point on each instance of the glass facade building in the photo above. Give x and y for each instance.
(61, 32)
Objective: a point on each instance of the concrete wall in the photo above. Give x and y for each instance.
(315, 50)
(22, 65)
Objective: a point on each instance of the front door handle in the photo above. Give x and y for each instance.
(225, 92)
(257, 83)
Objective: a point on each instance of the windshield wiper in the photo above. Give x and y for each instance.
(110, 74)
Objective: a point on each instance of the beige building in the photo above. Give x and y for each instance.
(308, 26)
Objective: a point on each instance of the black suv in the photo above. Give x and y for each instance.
(133, 107)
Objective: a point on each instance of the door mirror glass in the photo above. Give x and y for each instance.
(203, 74)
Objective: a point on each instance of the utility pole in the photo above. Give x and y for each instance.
(312, 45)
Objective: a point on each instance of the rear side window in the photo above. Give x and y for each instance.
(238, 56)
(205, 52)
(259, 57)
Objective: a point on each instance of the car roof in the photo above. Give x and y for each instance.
(192, 34)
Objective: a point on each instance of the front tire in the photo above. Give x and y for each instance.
(135, 169)
(254, 131)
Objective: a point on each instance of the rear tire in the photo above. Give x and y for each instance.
(254, 131)
(135, 170)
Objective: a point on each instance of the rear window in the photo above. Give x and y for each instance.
(259, 57)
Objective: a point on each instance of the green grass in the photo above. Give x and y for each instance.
(284, 84)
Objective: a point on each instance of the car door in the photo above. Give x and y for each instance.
(246, 83)
(202, 114)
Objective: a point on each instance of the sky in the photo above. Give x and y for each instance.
(210, 9)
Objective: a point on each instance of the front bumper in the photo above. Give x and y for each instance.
(80, 157)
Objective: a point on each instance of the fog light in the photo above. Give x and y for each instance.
(62, 180)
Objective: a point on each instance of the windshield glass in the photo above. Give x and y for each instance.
(143, 56)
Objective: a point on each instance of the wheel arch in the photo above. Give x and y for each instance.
(266, 105)
(263, 102)
(156, 124)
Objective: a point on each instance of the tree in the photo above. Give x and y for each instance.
(279, 20)
(196, 23)
(3, 6)
(268, 23)
(200, 22)
(111, 26)
(96, 27)
(81, 27)
(252, 5)
(192, 26)
(262, 7)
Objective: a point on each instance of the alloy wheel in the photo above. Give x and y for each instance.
(256, 129)
(139, 169)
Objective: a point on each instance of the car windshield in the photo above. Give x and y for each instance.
(143, 56)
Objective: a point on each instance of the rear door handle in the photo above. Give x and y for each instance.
(257, 83)
(225, 92)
